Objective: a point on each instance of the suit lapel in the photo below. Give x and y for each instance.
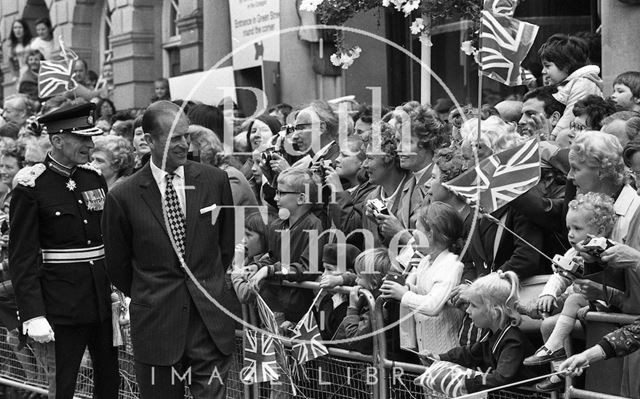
(194, 190)
(409, 183)
(151, 195)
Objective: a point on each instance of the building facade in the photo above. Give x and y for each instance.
(147, 39)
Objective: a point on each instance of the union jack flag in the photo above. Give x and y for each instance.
(503, 7)
(505, 42)
(55, 77)
(500, 178)
(271, 325)
(260, 363)
(305, 340)
(267, 316)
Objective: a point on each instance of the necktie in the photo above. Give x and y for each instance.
(174, 214)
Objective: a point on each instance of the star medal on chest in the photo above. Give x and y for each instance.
(71, 185)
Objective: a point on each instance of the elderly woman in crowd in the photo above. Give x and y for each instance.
(597, 166)
(207, 144)
(113, 156)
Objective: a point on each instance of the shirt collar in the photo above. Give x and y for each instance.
(59, 168)
(159, 174)
(624, 200)
(419, 174)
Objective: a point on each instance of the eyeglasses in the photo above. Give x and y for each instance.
(278, 192)
(577, 127)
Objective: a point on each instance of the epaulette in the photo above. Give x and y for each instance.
(27, 176)
(88, 166)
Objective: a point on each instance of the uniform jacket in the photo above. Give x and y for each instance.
(142, 263)
(51, 212)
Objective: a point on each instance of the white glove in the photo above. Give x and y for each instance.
(39, 329)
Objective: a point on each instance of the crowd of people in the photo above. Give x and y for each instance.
(371, 184)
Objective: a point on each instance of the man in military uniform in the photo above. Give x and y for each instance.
(57, 257)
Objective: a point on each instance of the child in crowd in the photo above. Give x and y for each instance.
(371, 266)
(565, 64)
(626, 91)
(161, 90)
(492, 305)
(290, 239)
(337, 261)
(590, 214)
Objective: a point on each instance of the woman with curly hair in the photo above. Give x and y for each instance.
(389, 178)
(419, 133)
(113, 156)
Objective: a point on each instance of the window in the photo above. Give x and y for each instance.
(171, 38)
(105, 32)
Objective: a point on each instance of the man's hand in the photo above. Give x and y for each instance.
(39, 329)
(389, 225)
(546, 304)
(332, 179)
(393, 290)
(278, 164)
(330, 281)
(621, 256)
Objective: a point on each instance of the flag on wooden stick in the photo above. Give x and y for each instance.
(500, 178)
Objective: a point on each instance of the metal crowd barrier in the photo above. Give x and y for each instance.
(341, 374)
(604, 371)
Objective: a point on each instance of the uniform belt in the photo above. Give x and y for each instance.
(73, 255)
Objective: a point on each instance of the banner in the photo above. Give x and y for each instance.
(250, 20)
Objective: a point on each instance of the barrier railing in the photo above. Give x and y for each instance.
(341, 374)
(616, 319)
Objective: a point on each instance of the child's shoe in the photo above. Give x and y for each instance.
(544, 356)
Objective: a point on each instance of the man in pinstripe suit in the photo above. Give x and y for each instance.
(178, 334)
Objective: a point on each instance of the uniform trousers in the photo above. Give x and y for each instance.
(70, 344)
(202, 367)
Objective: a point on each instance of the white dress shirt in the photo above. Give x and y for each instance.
(159, 176)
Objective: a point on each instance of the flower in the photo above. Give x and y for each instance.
(468, 48)
(310, 5)
(410, 6)
(385, 3)
(417, 26)
(344, 59)
(335, 59)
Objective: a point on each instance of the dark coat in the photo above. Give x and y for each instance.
(141, 262)
(51, 215)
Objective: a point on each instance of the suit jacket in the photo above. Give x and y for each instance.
(142, 263)
(413, 194)
(512, 253)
